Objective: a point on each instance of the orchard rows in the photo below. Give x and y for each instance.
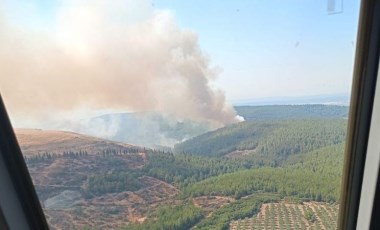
(286, 216)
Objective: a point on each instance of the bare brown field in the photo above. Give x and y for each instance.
(37, 141)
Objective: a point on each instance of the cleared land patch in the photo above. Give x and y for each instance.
(62, 183)
(210, 203)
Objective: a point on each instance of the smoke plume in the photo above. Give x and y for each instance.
(109, 54)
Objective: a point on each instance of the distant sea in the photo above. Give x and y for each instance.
(334, 99)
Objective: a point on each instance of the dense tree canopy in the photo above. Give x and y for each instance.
(273, 139)
(177, 217)
(315, 176)
(184, 169)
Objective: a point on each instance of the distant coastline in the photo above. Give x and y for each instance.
(326, 99)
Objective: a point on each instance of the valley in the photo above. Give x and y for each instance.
(266, 173)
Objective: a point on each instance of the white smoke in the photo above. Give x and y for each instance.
(109, 54)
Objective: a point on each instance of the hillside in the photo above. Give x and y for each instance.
(86, 181)
(272, 139)
(37, 141)
(149, 129)
(314, 175)
(233, 176)
(152, 129)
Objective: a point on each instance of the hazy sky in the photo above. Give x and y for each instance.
(249, 49)
(263, 48)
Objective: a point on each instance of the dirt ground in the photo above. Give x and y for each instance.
(35, 141)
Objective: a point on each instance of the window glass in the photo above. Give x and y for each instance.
(181, 114)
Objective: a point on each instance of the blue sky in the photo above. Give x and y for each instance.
(266, 48)
(274, 48)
